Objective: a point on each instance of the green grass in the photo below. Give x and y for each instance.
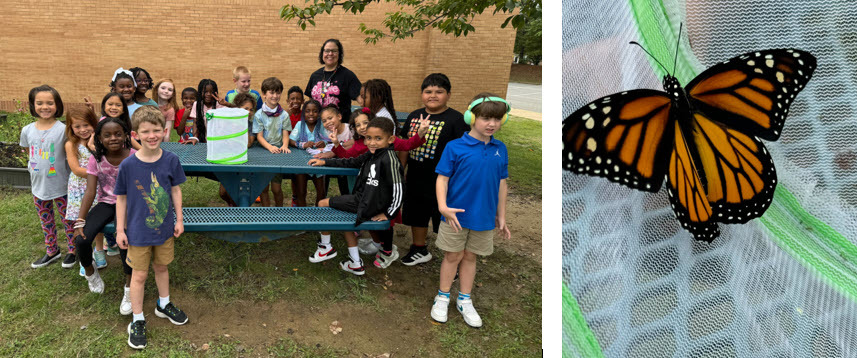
(523, 139)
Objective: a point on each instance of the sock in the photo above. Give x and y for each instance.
(355, 255)
(444, 294)
(463, 296)
(420, 248)
(325, 240)
(127, 290)
(138, 317)
(163, 301)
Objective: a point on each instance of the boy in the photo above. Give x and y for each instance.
(148, 196)
(377, 196)
(295, 101)
(420, 203)
(471, 196)
(271, 126)
(241, 78)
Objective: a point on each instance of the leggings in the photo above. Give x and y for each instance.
(46, 215)
(98, 217)
(386, 238)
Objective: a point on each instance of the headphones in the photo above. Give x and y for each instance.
(468, 115)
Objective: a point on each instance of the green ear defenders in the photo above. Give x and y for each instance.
(468, 115)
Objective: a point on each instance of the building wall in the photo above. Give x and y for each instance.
(76, 46)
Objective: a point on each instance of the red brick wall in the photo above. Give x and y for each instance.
(76, 45)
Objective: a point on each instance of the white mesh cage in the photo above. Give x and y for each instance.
(784, 285)
(227, 135)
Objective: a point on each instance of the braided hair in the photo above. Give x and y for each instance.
(100, 150)
(381, 96)
(200, 112)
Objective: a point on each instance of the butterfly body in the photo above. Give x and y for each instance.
(704, 139)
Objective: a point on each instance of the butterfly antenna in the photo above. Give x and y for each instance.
(677, 41)
(650, 55)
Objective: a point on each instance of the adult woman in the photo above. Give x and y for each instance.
(333, 84)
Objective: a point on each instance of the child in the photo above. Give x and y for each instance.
(420, 203)
(295, 101)
(471, 196)
(271, 127)
(165, 91)
(309, 135)
(332, 121)
(241, 78)
(81, 125)
(143, 81)
(123, 83)
(377, 95)
(112, 146)
(206, 99)
(188, 97)
(377, 195)
(360, 123)
(247, 102)
(148, 197)
(48, 170)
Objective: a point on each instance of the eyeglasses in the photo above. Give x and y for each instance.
(331, 51)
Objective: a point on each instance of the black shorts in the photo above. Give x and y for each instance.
(344, 202)
(418, 206)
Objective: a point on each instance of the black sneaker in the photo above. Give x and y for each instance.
(416, 255)
(69, 260)
(45, 260)
(172, 313)
(137, 334)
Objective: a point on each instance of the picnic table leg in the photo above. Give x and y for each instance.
(244, 187)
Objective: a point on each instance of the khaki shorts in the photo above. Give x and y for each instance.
(477, 242)
(140, 256)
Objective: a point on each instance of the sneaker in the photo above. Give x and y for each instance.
(113, 250)
(100, 259)
(366, 247)
(172, 313)
(416, 256)
(322, 253)
(45, 260)
(472, 318)
(137, 334)
(96, 285)
(439, 308)
(69, 260)
(383, 261)
(125, 305)
(353, 267)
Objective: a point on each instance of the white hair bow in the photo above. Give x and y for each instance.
(122, 70)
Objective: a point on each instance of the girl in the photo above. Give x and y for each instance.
(332, 121)
(206, 99)
(143, 81)
(112, 146)
(165, 91)
(377, 95)
(309, 135)
(80, 126)
(124, 84)
(48, 170)
(188, 97)
(114, 105)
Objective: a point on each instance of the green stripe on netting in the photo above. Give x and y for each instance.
(229, 160)
(574, 326)
(812, 242)
(220, 117)
(233, 135)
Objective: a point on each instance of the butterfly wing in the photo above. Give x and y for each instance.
(624, 137)
(752, 92)
(687, 192)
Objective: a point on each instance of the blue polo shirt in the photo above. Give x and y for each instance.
(474, 169)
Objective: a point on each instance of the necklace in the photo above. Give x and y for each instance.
(325, 83)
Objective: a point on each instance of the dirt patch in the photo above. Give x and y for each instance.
(12, 155)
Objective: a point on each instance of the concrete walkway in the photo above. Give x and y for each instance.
(526, 100)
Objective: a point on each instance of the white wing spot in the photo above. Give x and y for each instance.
(795, 54)
(598, 160)
(590, 123)
(591, 145)
(751, 63)
(758, 70)
(592, 105)
(606, 109)
(606, 121)
(769, 63)
(780, 77)
(585, 116)
(615, 167)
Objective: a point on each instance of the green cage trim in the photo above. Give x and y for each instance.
(575, 328)
(229, 160)
(233, 135)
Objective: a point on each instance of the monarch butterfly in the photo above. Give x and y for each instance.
(705, 138)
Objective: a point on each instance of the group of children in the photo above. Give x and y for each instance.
(456, 176)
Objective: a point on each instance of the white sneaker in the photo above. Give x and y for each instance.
(322, 253)
(439, 308)
(125, 305)
(472, 318)
(353, 267)
(366, 247)
(96, 285)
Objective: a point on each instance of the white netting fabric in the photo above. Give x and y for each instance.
(645, 287)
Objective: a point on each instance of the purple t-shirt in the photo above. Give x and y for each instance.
(148, 187)
(106, 174)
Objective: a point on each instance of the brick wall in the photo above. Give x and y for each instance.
(76, 45)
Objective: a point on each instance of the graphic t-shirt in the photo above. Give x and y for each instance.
(106, 174)
(148, 187)
(445, 127)
(338, 87)
(47, 165)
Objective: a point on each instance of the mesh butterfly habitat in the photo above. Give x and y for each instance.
(688, 257)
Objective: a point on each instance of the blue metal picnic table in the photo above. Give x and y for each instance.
(244, 182)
